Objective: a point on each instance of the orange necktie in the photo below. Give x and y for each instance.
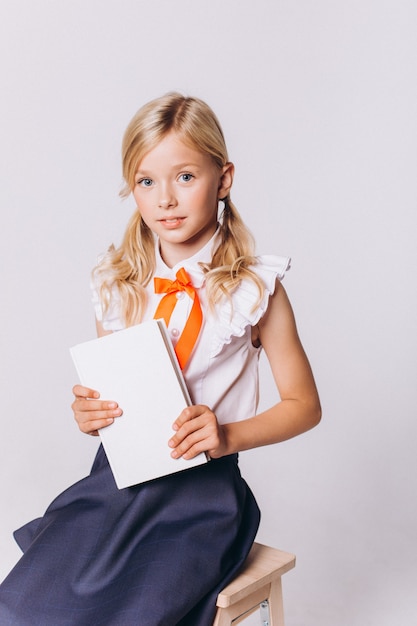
(166, 306)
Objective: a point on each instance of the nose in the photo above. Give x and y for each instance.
(166, 197)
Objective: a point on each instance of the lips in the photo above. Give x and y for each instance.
(171, 222)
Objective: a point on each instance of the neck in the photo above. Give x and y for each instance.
(174, 253)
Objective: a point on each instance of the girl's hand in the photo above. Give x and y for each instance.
(197, 430)
(90, 412)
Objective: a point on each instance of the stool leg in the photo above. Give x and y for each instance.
(276, 605)
(223, 618)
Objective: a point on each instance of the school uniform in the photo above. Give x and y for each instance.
(158, 553)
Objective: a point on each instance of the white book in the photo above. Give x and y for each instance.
(137, 368)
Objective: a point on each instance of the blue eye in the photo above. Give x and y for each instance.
(186, 178)
(145, 182)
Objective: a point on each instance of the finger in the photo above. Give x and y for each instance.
(80, 391)
(212, 445)
(186, 430)
(190, 448)
(83, 417)
(85, 405)
(91, 421)
(93, 426)
(188, 414)
(197, 441)
(199, 417)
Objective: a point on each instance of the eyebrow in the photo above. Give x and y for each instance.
(176, 166)
(184, 166)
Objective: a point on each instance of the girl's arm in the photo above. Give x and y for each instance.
(90, 412)
(299, 407)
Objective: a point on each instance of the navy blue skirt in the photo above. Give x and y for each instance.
(156, 554)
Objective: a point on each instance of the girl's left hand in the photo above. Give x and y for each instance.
(197, 430)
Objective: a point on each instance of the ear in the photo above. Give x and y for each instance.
(226, 180)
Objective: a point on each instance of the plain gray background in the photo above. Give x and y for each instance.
(318, 104)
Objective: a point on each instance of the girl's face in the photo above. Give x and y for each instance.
(177, 189)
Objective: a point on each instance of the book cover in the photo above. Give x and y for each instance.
(137, 367)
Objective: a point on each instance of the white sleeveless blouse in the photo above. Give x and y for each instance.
(222, 371)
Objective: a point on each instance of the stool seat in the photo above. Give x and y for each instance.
(258, 585)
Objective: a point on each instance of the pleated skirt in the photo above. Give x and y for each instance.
(156, 554)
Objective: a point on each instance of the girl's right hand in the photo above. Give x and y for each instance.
(90, 412)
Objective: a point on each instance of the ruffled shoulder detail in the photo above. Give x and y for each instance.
(234, 315)
(112, 319)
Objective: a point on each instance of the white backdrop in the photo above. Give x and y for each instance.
(318, 103)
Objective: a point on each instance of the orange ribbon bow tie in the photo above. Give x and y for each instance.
(189, 335)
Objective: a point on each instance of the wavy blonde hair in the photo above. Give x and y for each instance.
(127, 270)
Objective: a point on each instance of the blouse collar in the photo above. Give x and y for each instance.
(191, 265)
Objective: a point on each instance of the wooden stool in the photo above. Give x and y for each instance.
(258, 585)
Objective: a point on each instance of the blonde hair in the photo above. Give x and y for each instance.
(127, 270)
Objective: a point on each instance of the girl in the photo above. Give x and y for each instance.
(158, 553)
